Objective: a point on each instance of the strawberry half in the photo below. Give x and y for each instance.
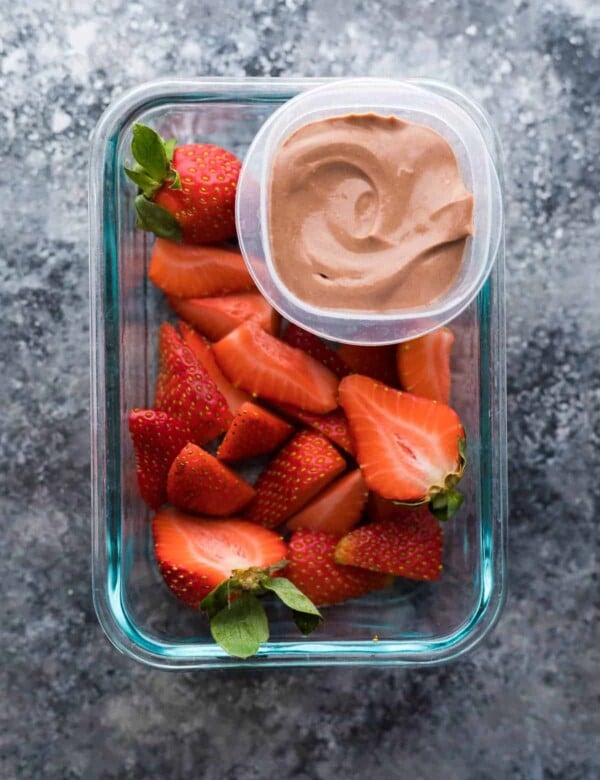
(423, 365)
(266, 367)
(253, 431)
(295, 336)
(410, 449)
(204, 355)
(407, 546)
(337, 509)
(377, 362)
(334, 425)
(313, 570)
(195, 554)
(216, 317)
(185, 192)
(296, 474)
(198, 482)
(187, 271)
(157, 438)
(185, 390)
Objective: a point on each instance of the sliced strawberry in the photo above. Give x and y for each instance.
(188, 271)
(157, 438)
(296, 474)
(334, 425)
(376, 362)
(337, 509)
(423, 365)
(379, 508)
(204, 355)
(410, 449)
(216, 317)
(270, 369)
(314, 346)
(253, 431)
(196, 554)
(185, 390)
(408, 546)
(198, 482)
(312, 569)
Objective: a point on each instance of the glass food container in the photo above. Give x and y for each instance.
(410, 624)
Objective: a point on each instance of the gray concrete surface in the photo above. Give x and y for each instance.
(525, 704)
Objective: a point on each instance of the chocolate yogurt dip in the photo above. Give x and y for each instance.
(367, 213)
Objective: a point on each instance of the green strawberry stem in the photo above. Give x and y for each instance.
(238, 621)
(153, 170)
(445, 501)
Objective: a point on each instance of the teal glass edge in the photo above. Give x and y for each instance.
(106, 468)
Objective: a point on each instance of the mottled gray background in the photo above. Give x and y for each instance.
(523, 705)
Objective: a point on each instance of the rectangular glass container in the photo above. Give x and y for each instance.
(410, 624)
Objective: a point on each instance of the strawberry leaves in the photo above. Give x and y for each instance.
(155, 219)
(238, 621)
(241, 627)
(152, 170)
(153, 155)
(306, 616)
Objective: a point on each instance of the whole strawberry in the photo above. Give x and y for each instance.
(186, 193)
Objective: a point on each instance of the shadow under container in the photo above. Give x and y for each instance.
(410, 624)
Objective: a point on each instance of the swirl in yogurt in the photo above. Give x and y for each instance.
(367, 213)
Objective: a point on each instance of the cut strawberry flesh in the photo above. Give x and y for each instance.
(337, 509)
(189, 271)
(264, 366)
(216, 317)
(333, 425)
(423, 365)
(405, 445)
(197, 554)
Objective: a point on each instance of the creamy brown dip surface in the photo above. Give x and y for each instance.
(367, 213)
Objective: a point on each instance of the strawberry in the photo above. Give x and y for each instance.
(333, 425)
(204, 355)
(423, 365)
(295, 336)
(253, 431)
(184, 192)
(198, 482)
(407, 546)
(185, 390)
(197, 554)
(306, 464)
(337, 509)
(379, 508)
(376, 362)
(314, 571)
(186, 271)
(266, 367)
(216, 317)
(157, 438)
(410, 449)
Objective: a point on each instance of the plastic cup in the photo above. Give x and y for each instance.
(388, 98)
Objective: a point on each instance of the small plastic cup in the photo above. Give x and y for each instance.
(387, 98)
